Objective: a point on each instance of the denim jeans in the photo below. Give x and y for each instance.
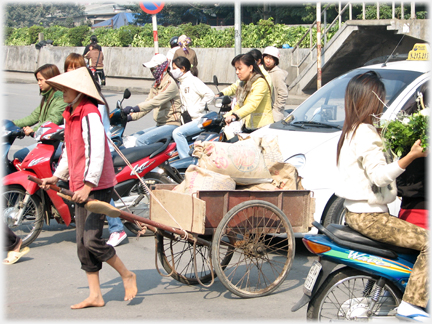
(153, 134)
(180, 134)
(115, 224)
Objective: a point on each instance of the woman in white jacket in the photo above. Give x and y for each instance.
(367, 183)
(194, 95)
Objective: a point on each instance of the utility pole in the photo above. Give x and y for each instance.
(318, 20)
(237, 27)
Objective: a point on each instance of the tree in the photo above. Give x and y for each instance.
(27, 15)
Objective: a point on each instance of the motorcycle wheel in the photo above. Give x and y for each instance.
(335, 213)
(32, 221)
(346, 295)
(142, 208)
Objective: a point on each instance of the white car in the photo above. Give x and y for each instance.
(308, 137)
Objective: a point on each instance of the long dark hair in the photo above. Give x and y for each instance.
(364, 97)
(249, 60)
(256, 53)
(47, 71)
(182, 62)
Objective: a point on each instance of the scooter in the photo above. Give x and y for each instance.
(10, 132)
(369, 285)
(26, 205)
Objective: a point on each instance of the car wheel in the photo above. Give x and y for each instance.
(335, 213)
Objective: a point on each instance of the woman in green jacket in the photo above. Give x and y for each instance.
(253, 95)
(50, 109)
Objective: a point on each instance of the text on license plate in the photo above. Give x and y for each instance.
(312, 277)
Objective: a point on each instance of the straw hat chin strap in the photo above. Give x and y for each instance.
(76, 99)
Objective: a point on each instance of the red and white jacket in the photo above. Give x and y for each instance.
(86, 155)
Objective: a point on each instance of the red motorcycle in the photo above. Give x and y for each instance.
(26, 206)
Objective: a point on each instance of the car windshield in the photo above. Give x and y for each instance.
(325, 108)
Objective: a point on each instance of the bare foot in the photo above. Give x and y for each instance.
(130, 286)
(90, 302)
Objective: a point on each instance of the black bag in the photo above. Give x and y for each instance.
(186, 118)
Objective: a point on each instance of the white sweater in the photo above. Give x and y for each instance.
(194, 94)
(361, 163)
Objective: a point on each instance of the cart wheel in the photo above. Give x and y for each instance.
(263, 247)
(183, 254)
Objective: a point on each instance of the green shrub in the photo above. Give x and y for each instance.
(34, 32)
(77, 35)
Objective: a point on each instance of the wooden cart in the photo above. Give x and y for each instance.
(248, 240)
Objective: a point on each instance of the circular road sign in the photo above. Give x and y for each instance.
(153, 7)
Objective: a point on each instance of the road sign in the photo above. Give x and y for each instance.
(153, 7)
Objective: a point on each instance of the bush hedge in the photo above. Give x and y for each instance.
(260, 35)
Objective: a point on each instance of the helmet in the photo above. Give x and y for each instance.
(174, 41)
(273, 51)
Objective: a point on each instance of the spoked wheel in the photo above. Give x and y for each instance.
(138, 201)
(262, 245)
(182, 254)
(347, 295)
(31, 223)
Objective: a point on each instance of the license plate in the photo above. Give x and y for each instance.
(312, 277)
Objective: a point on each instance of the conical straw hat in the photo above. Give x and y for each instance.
(78, 80)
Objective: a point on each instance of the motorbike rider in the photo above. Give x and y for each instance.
(367, 183)
(95, 59)
(278, 76)
(50, 108)
(253, 98)
(187, 52)
(163, 99)
(194, 95)
(256, 53)
(86, 162)
(174, 47)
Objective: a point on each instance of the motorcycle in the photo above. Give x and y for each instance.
(10, 134)
(26, 206)
(368, 286)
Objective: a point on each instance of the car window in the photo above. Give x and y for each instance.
(327, 104)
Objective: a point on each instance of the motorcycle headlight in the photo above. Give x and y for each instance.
(298, 160)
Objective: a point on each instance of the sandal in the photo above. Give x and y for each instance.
(14, 256)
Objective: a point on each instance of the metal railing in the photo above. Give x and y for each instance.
(338, 20)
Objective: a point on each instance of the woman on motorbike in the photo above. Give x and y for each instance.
(86, 162)
(163, 99)
(367, 183)
(194, 95)
(50, 108)
(253, 95)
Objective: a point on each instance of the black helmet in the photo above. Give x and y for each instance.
(174, 41)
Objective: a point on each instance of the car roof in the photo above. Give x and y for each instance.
(418, 66)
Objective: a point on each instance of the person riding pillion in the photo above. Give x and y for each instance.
(271, 58)
(163, 99)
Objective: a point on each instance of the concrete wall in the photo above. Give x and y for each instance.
(126, 62)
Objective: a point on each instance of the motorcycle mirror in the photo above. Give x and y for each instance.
(126, 94)
(216, 82)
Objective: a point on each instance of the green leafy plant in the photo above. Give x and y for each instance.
(401, 133)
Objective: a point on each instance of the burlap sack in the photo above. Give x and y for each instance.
(284, 175)
(197, 178)
(242, 161)
(269, 148)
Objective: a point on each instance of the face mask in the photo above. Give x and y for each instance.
(176, 73)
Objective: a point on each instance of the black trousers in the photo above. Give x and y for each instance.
(11, 240)
(91, 248)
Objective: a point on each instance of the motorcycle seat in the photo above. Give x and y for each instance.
(346, 233)
(134, 154)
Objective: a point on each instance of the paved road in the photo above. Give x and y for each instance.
(45, 282)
